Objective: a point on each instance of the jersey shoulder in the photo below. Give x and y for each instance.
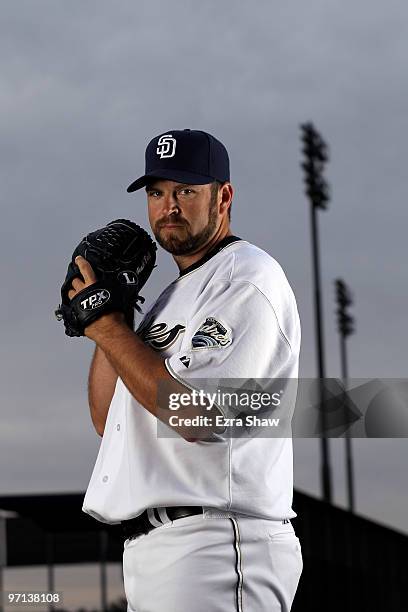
(249, 263)
(253, 265)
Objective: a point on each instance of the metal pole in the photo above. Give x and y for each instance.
(349, 475)
(50, 567)
(103, 550)
(325, 466)
(349, 453)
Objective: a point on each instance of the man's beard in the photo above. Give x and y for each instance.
(176, 245)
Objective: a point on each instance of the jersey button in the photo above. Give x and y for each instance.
(118, 427)
(105, 479)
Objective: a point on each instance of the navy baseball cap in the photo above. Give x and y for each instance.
(185, 156)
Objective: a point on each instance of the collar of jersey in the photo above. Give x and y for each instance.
(218, 247)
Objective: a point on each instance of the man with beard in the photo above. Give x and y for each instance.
(205, 514)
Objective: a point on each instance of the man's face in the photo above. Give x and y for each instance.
(183, 217)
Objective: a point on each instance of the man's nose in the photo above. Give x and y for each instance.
(170, 203)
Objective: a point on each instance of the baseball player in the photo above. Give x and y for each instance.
(206, 520)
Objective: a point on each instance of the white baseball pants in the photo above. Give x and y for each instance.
(215, 562)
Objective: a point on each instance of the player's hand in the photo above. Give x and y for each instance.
(87, 273)
(104, 323)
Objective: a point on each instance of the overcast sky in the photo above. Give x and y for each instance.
(85, 85)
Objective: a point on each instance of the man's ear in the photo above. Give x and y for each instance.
(226, 192)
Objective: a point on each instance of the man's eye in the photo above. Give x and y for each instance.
(186, 190)
(153, 193)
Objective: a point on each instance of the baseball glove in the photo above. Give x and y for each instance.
(122, 255)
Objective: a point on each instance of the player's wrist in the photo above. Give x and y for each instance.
(105, 325)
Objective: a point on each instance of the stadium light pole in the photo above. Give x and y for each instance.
(345, 326)
(316, 155)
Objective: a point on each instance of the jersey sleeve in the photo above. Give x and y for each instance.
(235, 343)
(234, 334)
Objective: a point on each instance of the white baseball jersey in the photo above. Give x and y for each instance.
(232, 315)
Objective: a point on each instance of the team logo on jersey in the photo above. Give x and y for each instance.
(211, 334)
(96, 300)
(185, 361)
(166, 146)
(159, 336)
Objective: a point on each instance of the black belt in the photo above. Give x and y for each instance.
(142, 524)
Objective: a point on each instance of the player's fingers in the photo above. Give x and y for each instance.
(86, 270)
(77, 284)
